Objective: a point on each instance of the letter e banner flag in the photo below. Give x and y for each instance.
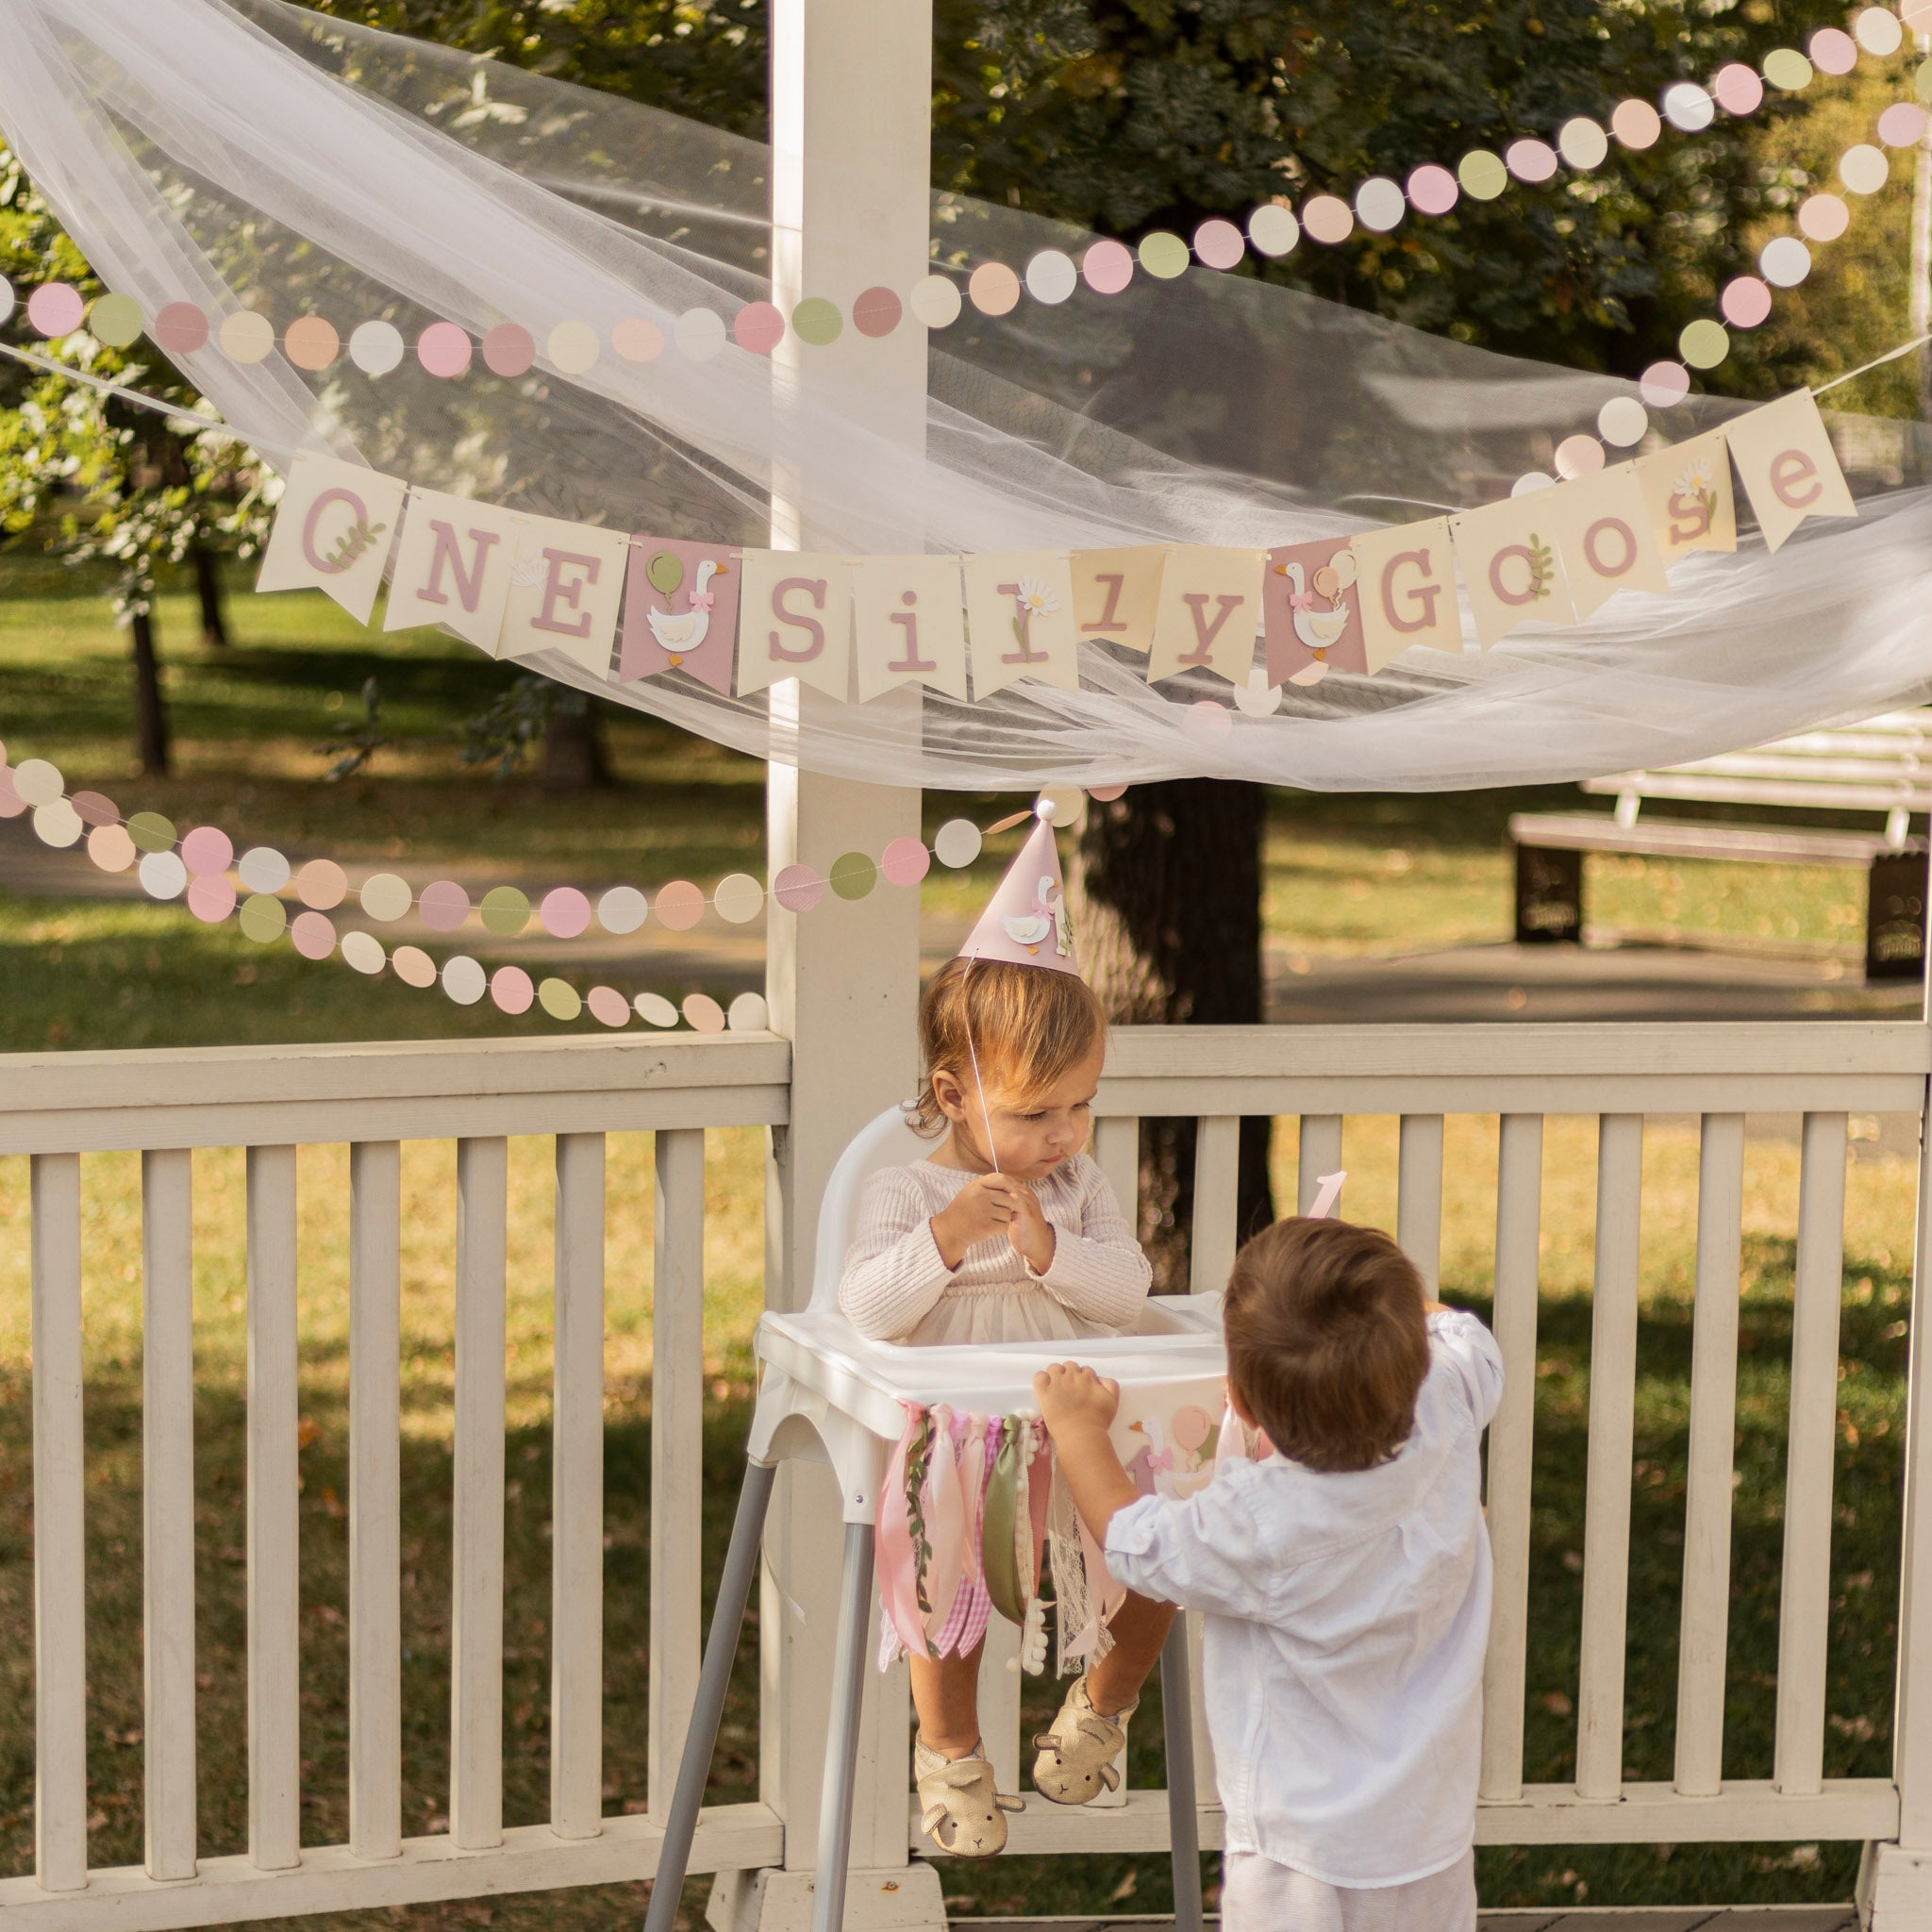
(1783, 454)
(566, 585)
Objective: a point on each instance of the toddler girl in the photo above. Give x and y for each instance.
(1008, 1231)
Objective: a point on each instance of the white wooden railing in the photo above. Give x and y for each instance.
(56, 1108)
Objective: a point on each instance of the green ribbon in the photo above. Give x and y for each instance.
(1000, 1532)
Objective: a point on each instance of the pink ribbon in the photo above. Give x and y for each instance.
(897, 1564)
(1301, 600)
(945, 1524)
(703, 600)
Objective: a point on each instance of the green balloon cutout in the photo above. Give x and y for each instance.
(665, 573)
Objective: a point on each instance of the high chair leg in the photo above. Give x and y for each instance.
(714, 1679)
(842, 1751)
(1183, 1820)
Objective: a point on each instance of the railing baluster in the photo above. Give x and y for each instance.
(1519, 1221)
(1217, 1194)
(1418, 1195)
(1321, 1154)
(999, 1704)
(1117, 1148)
(1705, 1614)
(576, 1510)
(476, 1757)
(1805, 1602)
(376, 1630)
(677, 1433)
(167, 1545)
(274, 1584)
(60, 1531)
(1607, 1503)
(1204, 1744)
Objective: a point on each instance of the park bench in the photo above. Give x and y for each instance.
(1883, 764)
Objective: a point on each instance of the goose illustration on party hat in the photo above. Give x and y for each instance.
(1026, 921)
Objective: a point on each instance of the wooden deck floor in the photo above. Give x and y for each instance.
(1557, 1919)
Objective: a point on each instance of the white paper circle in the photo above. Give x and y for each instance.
(1622, 422)
(386, 897)
(59, 825)
(1274, 229)
(1582, 142)
(1380, 204)
(654, 1010)
(263, 869)
(748, 1013)
(623, 909)
(957, 843)
(1531, 481)
(363, 951)
(6, 299)
(1578, 456)
(700, 334)
(164, 875)
(1785, 261)
(1051, 276)
(572, 347)
(1687, 108)
(1877, 30)
(464, 980)
(375, 347)
(1864, 168)
(740, 898)
(37, 782)
(936, 302)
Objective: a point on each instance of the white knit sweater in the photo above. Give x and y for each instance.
(897, 1287)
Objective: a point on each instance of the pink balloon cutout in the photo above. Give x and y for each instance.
(1191, 1427)
(207, 850)
(906, 861)
(565, 912)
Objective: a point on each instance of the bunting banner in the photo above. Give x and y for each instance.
(739, 621)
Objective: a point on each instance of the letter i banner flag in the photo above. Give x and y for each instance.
(908, 624)
(681, 612)
(1602, 531)
(1019, 617)
(1405, 582)
(1510, 561)
(566, 583)
(1311, 613)
(1209, 614)
(333, 530)
(1791, 472)
(453, 566)
(795, 612)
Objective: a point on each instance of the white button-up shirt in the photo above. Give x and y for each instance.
(1347, 1617)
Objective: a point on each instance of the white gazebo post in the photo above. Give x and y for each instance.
(851, 143)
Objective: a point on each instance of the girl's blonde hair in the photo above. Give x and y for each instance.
(1028, 1026)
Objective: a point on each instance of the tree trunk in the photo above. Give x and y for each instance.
(207, 586)
(574, 757)
(150, 710)
(1167, 892)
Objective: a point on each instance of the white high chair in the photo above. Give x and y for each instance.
(827, 1393)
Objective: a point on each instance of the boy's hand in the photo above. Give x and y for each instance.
(1073, 1398)
(1029, 1230)
(981, 1209)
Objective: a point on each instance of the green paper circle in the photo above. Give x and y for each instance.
(1163, 256)
(151, 832)
(1703, 343)
(1786, 68)
(264, 918)
(854, 874)
(817, 321)
(115, 319)
(1482, 175)
(506, 911)
(665, 572)
(558, 998)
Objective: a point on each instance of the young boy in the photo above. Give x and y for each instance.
(1345, 1578)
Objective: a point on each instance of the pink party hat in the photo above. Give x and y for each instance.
(1025, 922)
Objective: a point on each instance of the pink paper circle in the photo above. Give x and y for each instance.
(443, 349)
(798, 887)
(1106, 793)
(1108, 267)
(994, 288)
(211, 899)
(55, 309)
(94, 808)
(180, 328)
(321, 884)
(608, 1005)
(313, 934)
(1432, 190)
(1530, 159)
(207, 850)
(1328, 218)
(512, 989)
(636, 340)
(565, 912)
(11, 804)
(702, 1013)
(311, 343)
(876, 312)
(110, 847)
(1738, 89)
(413, 966)
(1578, 456)
(905, 861)
(1745, 302)
(1824, 217)
(1636, 124)
(1902, 125)
(680, 905)
(1833, 51)
(1205, 719)
(1220, 244)
(1664, 384)
(509, 350)
(444, 905)
(759, 327)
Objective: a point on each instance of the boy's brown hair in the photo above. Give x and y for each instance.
(1328, 1342)
(1028, 1026)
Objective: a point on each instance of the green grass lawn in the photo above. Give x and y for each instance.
(1374, 875)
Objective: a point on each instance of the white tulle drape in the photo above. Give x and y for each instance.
(260, 155)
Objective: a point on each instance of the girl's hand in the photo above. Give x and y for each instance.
(1029, 1230)
(1073, 1398)
(981, 1209)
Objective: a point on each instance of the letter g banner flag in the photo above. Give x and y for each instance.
(1406, 581)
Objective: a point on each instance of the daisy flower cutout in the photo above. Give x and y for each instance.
(1036, 600)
